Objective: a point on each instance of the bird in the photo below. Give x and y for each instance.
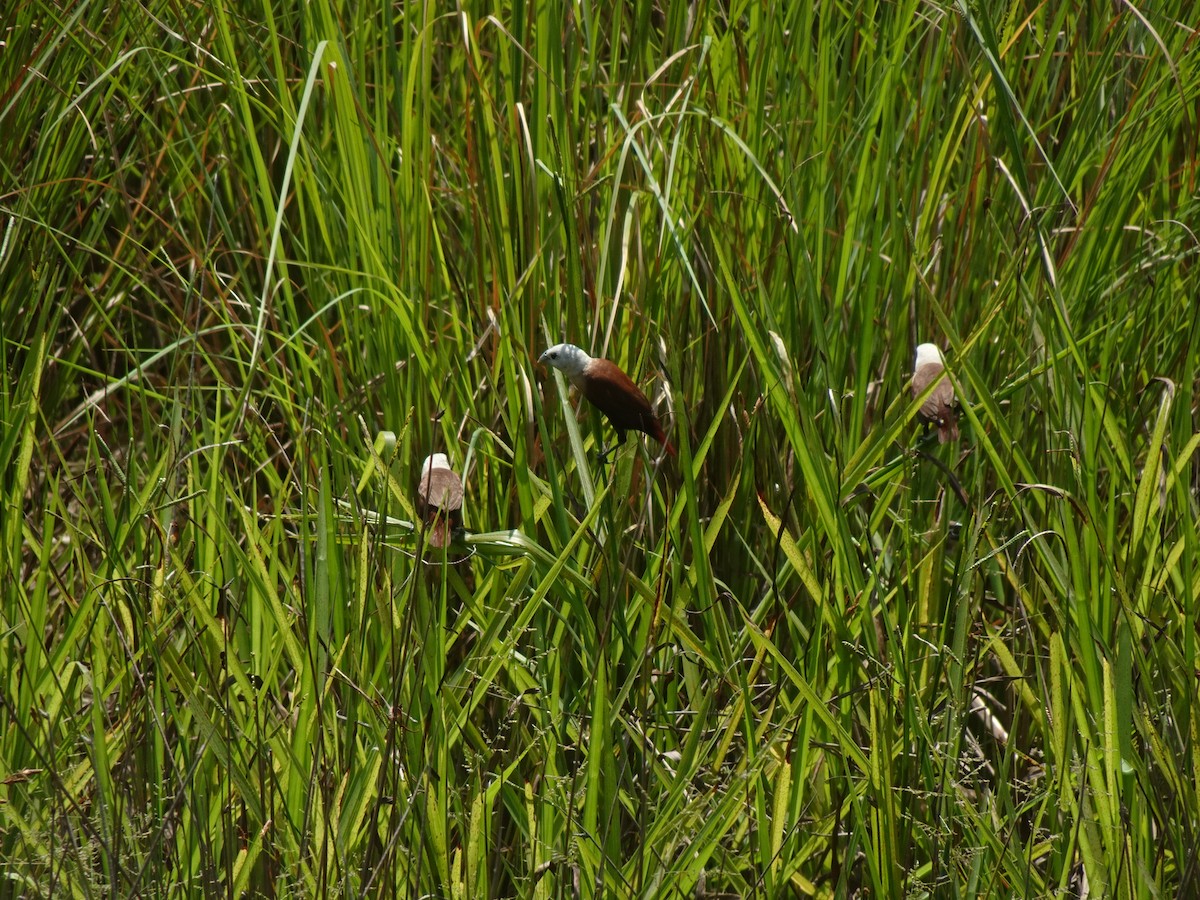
(938, 408)
(440, 492)
(609, 390)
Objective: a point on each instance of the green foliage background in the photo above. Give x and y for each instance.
(257, 260)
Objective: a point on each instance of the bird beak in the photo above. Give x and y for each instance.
(542, 358)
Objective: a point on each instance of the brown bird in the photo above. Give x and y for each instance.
(441, 496)
(609, 390)
(938, 408)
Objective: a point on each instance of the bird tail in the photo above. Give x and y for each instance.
(661, 436)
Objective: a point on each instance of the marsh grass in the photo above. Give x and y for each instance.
(258, 261)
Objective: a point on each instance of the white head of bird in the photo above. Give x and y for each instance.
(567, 358)
(437, 461)
(929, 353)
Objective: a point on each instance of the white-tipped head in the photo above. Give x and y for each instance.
(928, 353)
(437, 461)
(567, 358)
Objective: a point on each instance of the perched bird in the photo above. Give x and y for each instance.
(938, 408)
(609, 390)
(440, 492)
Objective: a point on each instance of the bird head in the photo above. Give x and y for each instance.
(437, 461)
(567, 358)
(928, 353)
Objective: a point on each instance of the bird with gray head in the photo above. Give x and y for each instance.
(610, 390)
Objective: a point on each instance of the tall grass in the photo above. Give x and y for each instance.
(258, 261)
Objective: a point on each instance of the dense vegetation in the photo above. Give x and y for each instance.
(258, 260)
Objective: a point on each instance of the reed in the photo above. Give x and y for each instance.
(258, 261)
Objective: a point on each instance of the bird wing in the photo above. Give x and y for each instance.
(613, 393)
(941, 402)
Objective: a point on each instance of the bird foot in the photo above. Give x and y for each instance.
(928, 435)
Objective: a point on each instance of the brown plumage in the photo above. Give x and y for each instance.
(440, 495)
(610, 390)
(938, 408)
